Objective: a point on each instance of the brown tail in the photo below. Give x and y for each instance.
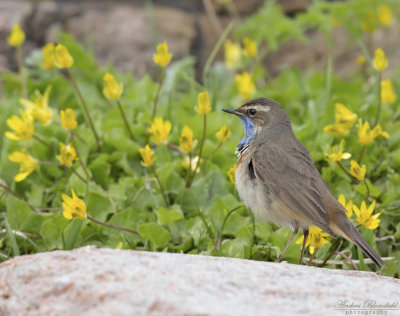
(345, 227)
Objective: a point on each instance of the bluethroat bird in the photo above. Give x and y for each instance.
(276, 178)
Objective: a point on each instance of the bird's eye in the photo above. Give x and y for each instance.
(252, 112)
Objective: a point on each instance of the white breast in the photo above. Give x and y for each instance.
(254, 194)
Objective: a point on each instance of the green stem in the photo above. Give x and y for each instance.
(78, 175)
(215, 50)
(155, 104)
(20, 61)
(213, 151)
(79, 157)
(366, 185)
(345, 171)
(361, 154)
(160, 186)
(16, 195)
(49, 163)
(112, 226)
(85, 109)
(40, 140)
(125, 120)
(190, 180)
(378, 113)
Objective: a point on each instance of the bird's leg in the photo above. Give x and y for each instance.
(295, 230)
(305, 233)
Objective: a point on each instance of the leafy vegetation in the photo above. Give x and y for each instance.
(88, 178)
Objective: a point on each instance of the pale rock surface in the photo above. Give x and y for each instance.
(93, 281)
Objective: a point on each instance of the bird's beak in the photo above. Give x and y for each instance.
(233, 111)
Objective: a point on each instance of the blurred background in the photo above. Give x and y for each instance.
(125, 33)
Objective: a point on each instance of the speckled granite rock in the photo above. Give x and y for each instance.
(92, 281)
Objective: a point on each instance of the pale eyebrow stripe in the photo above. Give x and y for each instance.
(262, 108)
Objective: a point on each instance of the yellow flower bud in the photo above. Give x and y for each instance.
(163, 57)
(380, 62)
(48, 53)
(63, 59)
(223, 133)
(250, 47)
(384, 15)
(245, 85)
(388, 96)
(232, 173)
(233, 54)
(68, 120)
(186, 142)
(203, 103)
(17, 36)
(112, 89)
(147, 156)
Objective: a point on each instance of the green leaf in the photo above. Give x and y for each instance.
(166, 217)
(157, 235)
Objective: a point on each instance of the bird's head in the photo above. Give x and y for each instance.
(258, 114)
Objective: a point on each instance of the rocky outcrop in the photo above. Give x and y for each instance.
(124, 33)
(93, 281)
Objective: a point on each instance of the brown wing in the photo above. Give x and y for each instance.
(290, 175)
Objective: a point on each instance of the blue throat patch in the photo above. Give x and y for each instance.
(249, 132)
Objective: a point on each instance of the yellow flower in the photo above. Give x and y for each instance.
(23, 128)
(73, 207)
(67, 155)
(68, 120)
(245, 85)
(17, 36)
(384, 15)
(147, 156)
(348, 206)
(28, 164)
(361, 60)
(120, 245)
(186, 142)
(193, 163)
(62, 57)
(356, 171)
(388, 96)
(365, 217)
(48, 52)
(38, 108)
(233, 53)
(250, 47)
(112, 89)
(380, 133)
(365, 135)
(344, 116)
(380, 62)
(162, 58)
(223, 133)
(336, 153)
(232, 173)
(203, 103)
(336, 130)
(316, 238)
(160, 130)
